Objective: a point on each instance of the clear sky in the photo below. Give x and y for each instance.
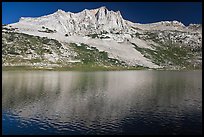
(139, 12)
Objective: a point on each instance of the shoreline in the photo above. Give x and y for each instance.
(86, 69)
(73, 68)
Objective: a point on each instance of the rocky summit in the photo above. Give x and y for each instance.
(100, 38)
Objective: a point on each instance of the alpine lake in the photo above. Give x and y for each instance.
(137, 102)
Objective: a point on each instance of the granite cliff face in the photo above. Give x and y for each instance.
(79, 23)
(101, 32)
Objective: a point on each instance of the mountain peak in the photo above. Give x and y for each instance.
(170, 23)
(118, 12)
(103, 7)
(60, 11)
(95, 20)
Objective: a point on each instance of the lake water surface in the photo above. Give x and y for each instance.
(113, 102)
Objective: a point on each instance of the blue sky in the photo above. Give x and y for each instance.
(140, 12)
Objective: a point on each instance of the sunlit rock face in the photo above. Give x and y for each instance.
(97, 20)
(164, 44)
(79, 23)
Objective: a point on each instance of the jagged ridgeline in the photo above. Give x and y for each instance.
(100, 39)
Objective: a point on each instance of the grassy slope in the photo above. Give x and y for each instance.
(91, 58)
(23, 43)
(170, 55)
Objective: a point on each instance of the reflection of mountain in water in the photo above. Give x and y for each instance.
(102, 101)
